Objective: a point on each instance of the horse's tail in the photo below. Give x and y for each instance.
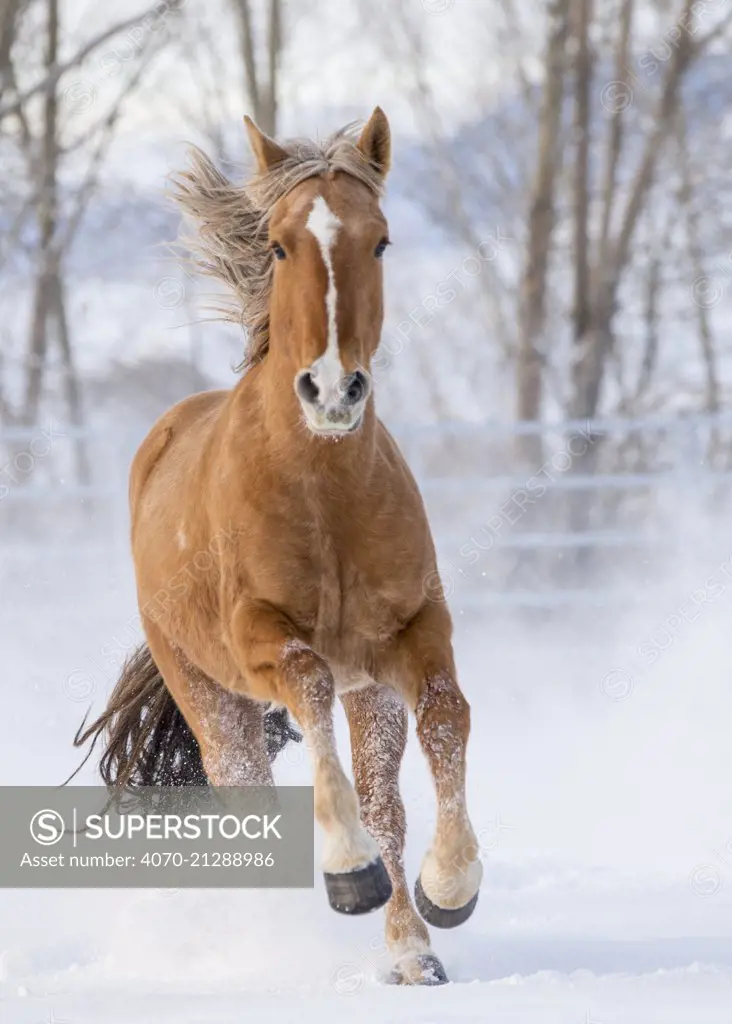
(147, 741)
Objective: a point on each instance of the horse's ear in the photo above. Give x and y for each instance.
(266, 150)
(375, 142)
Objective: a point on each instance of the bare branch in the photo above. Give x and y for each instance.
(719, 29)
(683, 55)
(49, 82)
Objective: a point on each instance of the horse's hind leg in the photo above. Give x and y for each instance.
(377, 719)
(279, 666)
(228, 726)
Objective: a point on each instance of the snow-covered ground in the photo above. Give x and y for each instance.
(606, 826)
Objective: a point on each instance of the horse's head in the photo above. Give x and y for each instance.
(327, 235)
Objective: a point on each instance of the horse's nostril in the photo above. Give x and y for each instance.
(356, 388)
(306, 387)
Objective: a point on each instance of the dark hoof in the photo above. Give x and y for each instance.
(440, 917)
(278, 732)
(359, 892)
(429, 971)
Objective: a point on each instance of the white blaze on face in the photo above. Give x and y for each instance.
(328, 369)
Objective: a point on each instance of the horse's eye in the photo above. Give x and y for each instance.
(279, 252)
(381, 248)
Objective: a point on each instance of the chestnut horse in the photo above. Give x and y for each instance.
(316, 544)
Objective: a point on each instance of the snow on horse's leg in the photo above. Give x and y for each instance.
(377, 719)
(421, 665)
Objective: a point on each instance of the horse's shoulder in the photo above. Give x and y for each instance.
(171, 425)
(190, 410)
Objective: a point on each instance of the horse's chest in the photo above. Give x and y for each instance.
(357, 597)
(342, 598)
(349, 575)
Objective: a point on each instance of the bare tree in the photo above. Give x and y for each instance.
(593, 181)
(583, 72)
(47, 271)
(50, 79)
(615, 253)
(9, 15)
(261, 84)
(32, 129)
(690, 205)
(541, 219)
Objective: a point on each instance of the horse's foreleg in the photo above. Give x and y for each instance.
(279, 666)
(421, 665)
(377, 719)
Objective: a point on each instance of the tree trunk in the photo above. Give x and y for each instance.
(583, 84)
(261, 92)
(541, 225)
(72, 388)
(9, 10)
(47, 212)
(274, 46)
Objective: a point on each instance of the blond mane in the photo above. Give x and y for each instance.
(231, 220)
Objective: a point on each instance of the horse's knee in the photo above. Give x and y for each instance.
(442, 711)
(309, 682)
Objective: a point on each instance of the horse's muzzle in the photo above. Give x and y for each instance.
(336, 409)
